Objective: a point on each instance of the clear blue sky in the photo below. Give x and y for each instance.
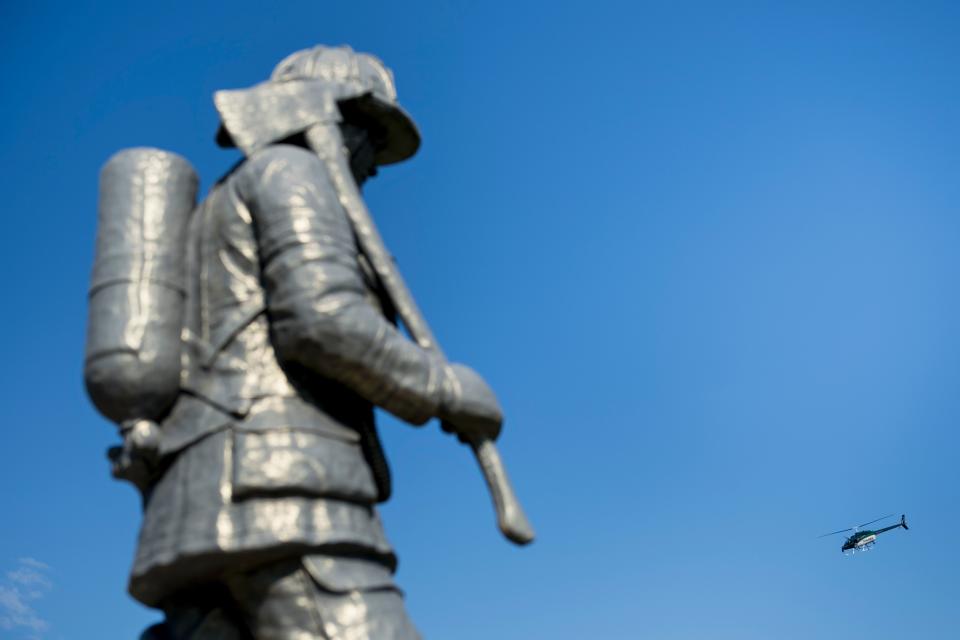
(706, 252)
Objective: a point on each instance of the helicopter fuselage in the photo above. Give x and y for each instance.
(859, 541)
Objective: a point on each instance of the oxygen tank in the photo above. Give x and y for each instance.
(136, 305)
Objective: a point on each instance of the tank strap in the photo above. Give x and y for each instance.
(206, 352)
(226, 332)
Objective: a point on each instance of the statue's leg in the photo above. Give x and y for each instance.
(206, 613)
(323, 597)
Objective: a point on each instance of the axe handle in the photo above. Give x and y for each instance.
(511, 519)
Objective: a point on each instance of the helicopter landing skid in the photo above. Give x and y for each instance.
(864, 548)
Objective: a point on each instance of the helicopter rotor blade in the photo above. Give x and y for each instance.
(835, 532)
(877, 520)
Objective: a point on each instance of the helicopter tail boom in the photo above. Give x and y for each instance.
(902, 523)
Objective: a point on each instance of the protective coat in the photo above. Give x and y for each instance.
(285, 353)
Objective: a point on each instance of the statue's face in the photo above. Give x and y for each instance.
(362, 151)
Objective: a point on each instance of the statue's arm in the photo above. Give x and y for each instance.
(316, 296)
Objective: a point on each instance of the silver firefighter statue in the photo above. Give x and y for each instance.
(241, 344)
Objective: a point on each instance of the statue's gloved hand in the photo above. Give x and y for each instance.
(468, 407)
(135, 460)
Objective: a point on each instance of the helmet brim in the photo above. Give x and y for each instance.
(398, 137)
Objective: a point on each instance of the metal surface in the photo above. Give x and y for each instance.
(268, 458)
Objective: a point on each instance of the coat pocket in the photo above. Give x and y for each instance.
(341, 575)
(295, 462)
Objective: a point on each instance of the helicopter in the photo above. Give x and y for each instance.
(864, 540)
